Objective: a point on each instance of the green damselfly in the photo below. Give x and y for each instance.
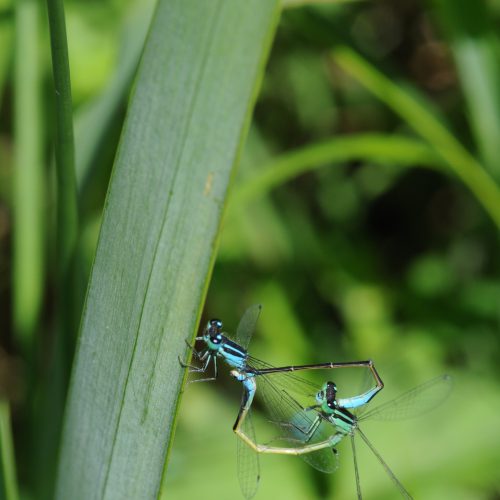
(218, 344)
(342, 417)
(278, 392)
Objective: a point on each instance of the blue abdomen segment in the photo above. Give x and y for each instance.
(357, 401)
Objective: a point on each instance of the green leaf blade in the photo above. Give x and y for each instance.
(395, 149)
(422, 118)
(193, 95)
(474, 45)
(8, 480)
(29, 193)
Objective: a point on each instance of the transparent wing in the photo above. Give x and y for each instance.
(285, 397)
(413, 403)
(293, 422)
(287, 380)
(325, 460)
(356, 469)
(246, 326)
(365, 382)
(286, 376)
(394, 479)
(248, 461)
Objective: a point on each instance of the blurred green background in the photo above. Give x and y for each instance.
(378, 251)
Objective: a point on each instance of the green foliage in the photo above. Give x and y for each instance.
(421, 118)
(475, 49)
(364, 216)
(28, 179)
(8, 481)
(400, 151)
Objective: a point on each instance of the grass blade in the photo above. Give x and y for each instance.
(424, 122)
(190, 109)
(28, 178)
(6, 42)
(474, 47)
(8, 482)
(69, 294)
(371, 147)
(94, 120)
(67, 217)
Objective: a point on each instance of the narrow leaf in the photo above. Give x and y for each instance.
(94, 119)
(6, 41)
(474, 45)
(28, 178)
(424, 121)
(67, 218)
(188, 115)
(398, 150)
(8, 481)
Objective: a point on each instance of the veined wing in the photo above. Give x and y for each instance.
(248, 461)
(246, 326)
(325, 460)
(288, 380)
(382, 462)
(302, 385)
(415, 402)
(291, 418)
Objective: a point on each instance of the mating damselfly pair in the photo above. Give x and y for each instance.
(309, 419)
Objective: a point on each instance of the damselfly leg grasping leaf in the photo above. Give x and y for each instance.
(218, 344)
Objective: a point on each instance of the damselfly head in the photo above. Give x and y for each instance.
(331, 395)
(328, 391)
(215, 323)
(331, 390)
(322, 393)
(214, 327)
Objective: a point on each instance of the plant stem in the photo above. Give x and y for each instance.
(400, 150)
(28, 177)
(8, 467)
(67, 215)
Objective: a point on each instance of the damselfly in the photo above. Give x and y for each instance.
(235, 352)
(280, 394)
(344, 415)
